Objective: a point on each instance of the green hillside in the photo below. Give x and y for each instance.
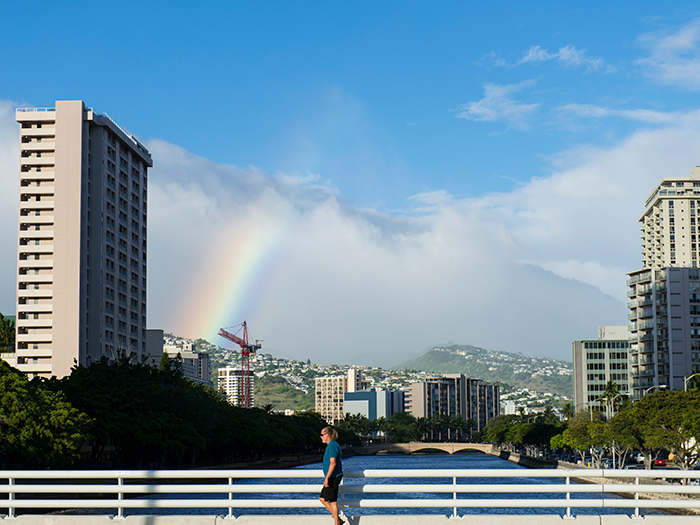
(515, 370)
(276, 391)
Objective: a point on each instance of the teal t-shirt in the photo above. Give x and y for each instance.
(333, 451)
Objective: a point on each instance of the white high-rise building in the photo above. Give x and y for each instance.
(669, 222)
(81, 267)
(231, 384)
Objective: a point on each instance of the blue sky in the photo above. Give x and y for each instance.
(463, 162)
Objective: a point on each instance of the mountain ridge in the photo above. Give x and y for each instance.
(516, 370)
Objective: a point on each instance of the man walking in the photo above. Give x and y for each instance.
(333, 472)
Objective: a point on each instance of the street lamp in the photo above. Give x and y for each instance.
(653, 387)
(686, 379)
(612, 402)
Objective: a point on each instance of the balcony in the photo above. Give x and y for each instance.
(34, 338)
(44, 160)
(44, 174)
(35, 308)
(33, 263)
(36, 234)
(33, 219)
(45, 293)
(35, 352)
(32, 278)
(47, 189)
(44, 131)
(34, 249)
(47, 145)
(34, 323)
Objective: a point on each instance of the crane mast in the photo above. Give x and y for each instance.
(246, 350)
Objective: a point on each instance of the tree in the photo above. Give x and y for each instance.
(7, 334)
(164, 363)
(568, 411)
(624, 435)
(672, 422)
(402, 427)
(37, 426)
(587, 434)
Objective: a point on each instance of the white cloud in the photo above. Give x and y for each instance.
(674, 57)
(639, 115)
(567, 56)
(529, 270)
(356, 285)
(497, 104)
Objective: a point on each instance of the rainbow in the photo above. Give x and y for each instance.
(233, 274)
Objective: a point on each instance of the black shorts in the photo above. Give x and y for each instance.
(330, 494)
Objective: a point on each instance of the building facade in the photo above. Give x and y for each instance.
(81, 265)
(669, 223)
(597, 361)
(453, 395)
(374, 403)
(195, 364)
(665, 328)
(330, 393)
(230, 381)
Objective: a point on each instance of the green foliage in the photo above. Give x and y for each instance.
(157, 418)
(671, 420)
(402, 427)
(38, 427)
(7, 334)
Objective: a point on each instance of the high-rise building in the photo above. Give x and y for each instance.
(669, 226)
(597, 361)
(665, 328)
(231, 384)
(81, 267)
(330, 393)
(452, 395)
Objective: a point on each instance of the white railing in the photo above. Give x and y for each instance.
(295, 489)
(31, 110)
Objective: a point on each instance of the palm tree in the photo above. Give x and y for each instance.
(568, 411)
(610, 396)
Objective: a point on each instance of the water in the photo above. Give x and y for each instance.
(400, 461)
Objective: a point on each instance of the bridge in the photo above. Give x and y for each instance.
(423, 448)
(221, 497)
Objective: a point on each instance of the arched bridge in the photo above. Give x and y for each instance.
(413, 448)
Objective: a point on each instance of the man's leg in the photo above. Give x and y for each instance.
(332, 507)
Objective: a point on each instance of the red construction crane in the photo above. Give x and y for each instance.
(246, 350)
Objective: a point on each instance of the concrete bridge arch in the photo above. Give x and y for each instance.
(416, 448)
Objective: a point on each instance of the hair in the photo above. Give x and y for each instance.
(331, 432)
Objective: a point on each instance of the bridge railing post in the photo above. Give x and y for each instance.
(454, 497)
(10, 497)
(230, 499)
(120, 498)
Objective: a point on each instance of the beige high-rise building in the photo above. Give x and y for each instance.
(669, 222)
(330, 393)
(81, 268)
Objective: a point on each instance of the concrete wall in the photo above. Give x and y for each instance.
(358, 520)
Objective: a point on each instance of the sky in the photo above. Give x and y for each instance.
(361, 181)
